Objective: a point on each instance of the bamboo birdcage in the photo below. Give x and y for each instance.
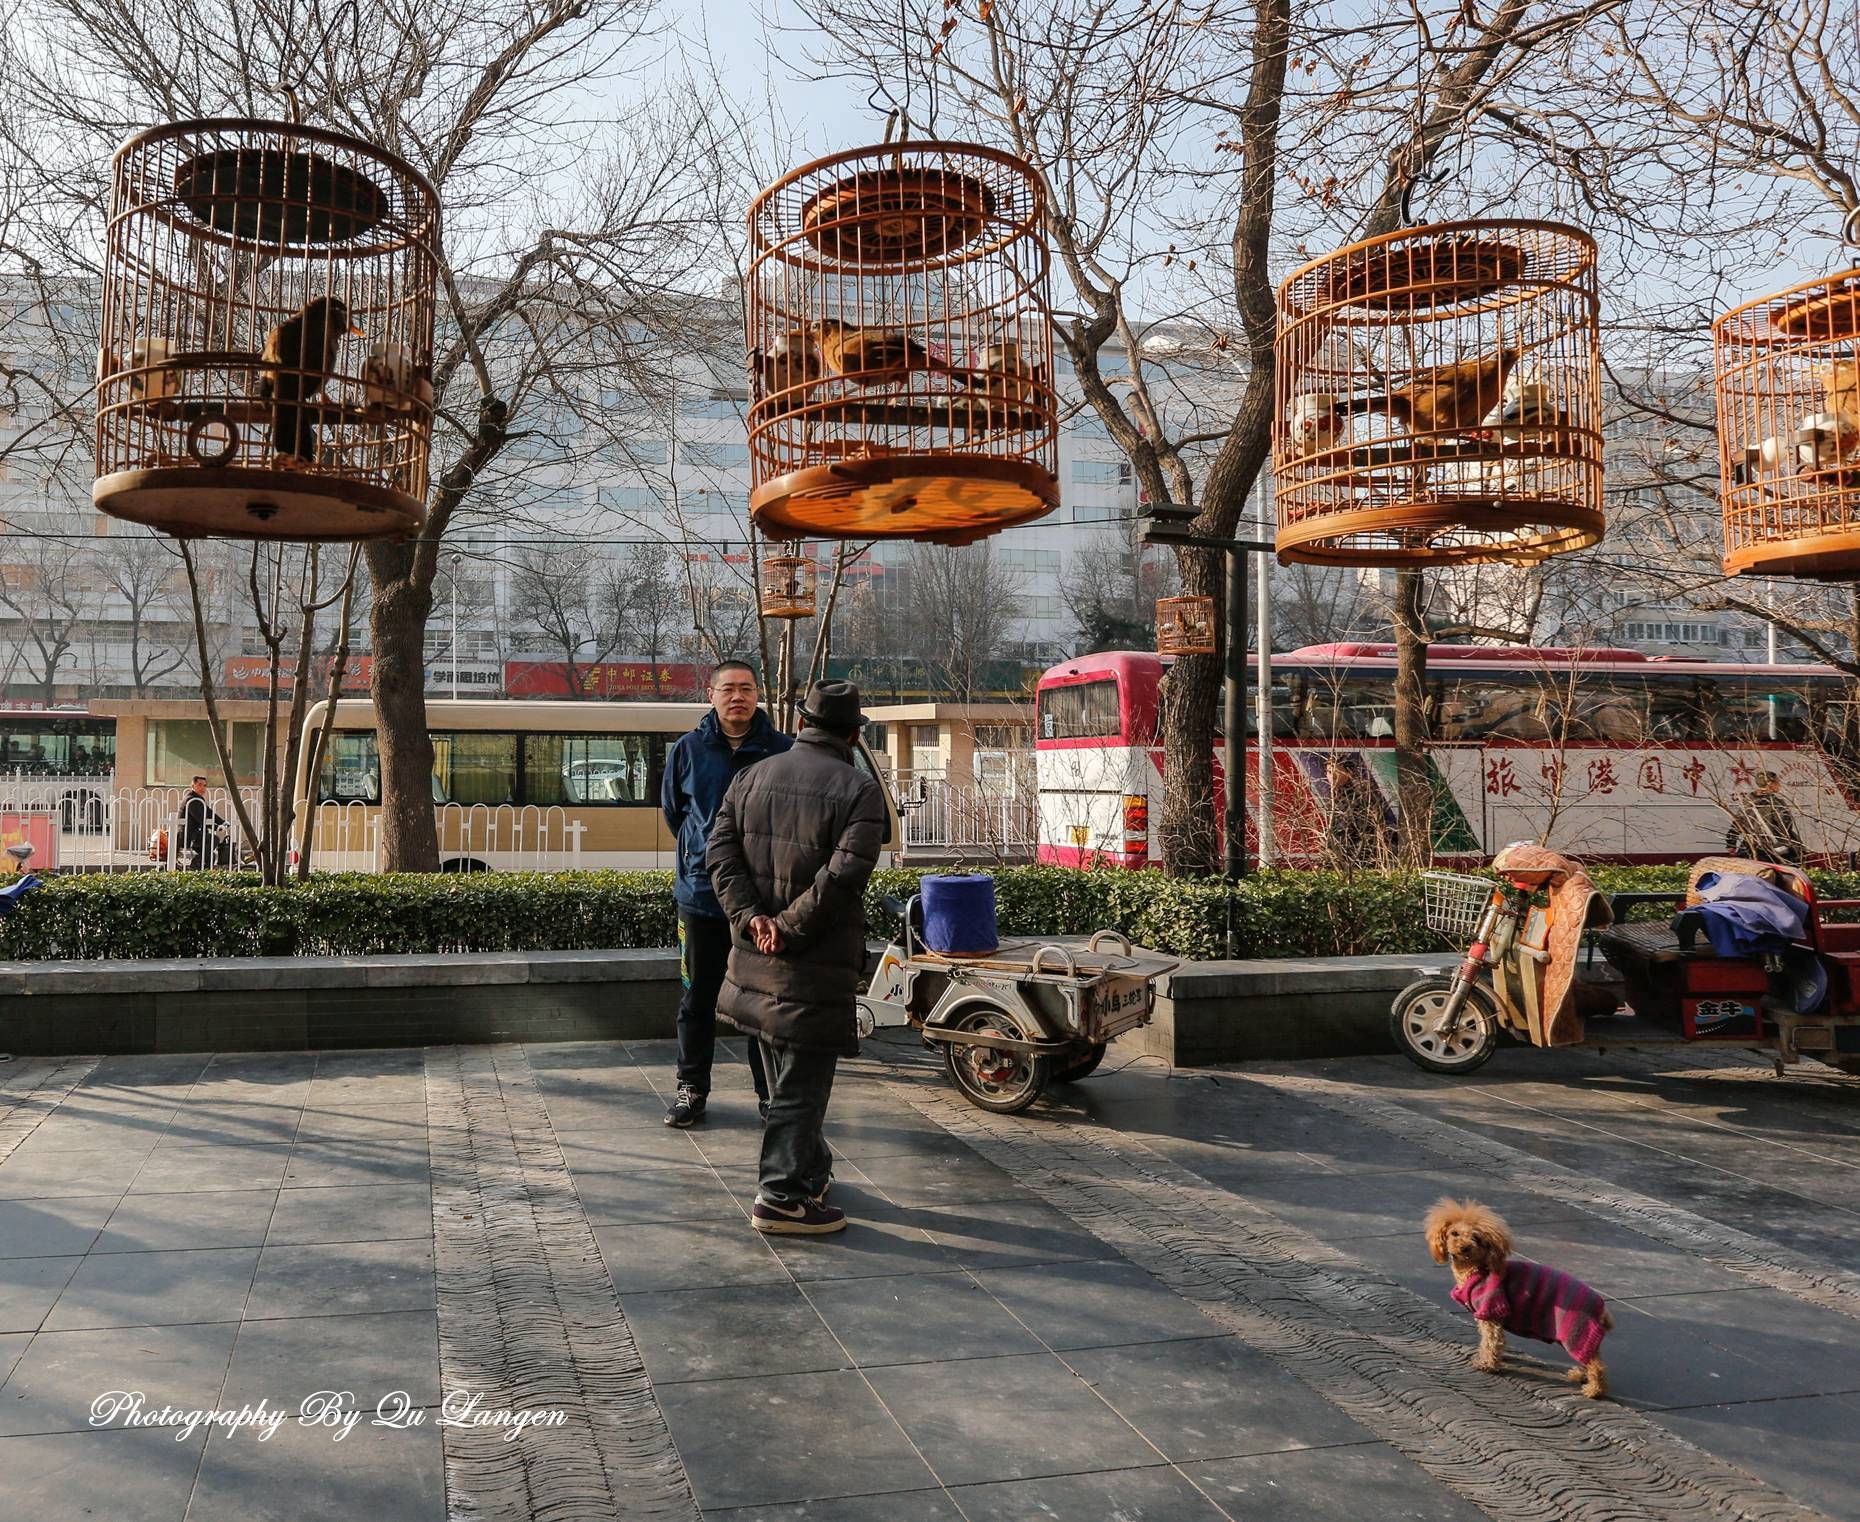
(1787, 373)
(1185, 626)
(225, 238)
(900, 347)
(1439, 400)
(786, 586)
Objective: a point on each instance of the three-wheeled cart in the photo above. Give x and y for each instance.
(1026, 1014)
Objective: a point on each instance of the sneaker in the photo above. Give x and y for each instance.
(687, 1109)
(810, 1218)
(762, 1108)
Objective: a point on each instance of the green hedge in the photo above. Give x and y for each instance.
(213, 914)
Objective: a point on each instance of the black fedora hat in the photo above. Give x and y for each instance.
(833, 705)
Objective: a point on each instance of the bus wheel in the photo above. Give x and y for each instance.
(463, 864)
(990, 1079)
(1417, 1022)
(1084, 1066)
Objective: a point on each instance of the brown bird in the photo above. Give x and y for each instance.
(790, 360)
(875, 356)
(302, 348)
(1446, 399)
(1007, 371)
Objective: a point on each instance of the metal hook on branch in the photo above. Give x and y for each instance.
(1850, 228)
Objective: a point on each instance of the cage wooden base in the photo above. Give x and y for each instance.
(1459, 531)
(192, 501)
(939, 498)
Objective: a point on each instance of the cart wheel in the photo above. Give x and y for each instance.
(1415, 1022)
(1085, 1066)
(1004, 1082)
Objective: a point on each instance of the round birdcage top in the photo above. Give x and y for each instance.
(1814, 312)
(1438, 272)
(249, 183)
(917, 204)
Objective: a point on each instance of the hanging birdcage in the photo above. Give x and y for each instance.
(787, 586)
(1438, 398)
(1787, 371)
(900, 347)
(1185, 626)
(265, 370)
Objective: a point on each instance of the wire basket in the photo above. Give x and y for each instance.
(1455, 903)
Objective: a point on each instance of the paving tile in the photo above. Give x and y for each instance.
(1331, 1485)
(331, 1278)
(52, 1228)
(1123, 1495)
(1622, 1263)
(602, 1110)
(88, 1136)
(687, 1255)
(191, 1170)
(231, 1126)
(791, 1437)
(286, 1360)
(56, 1383)
(155, 1288)
(214, 1218)
(406, 1123)
(1212, 1399)
(1008, 1232)
(1378, 1204)
(880, 1238)
(1799, 1349)
(1095, 1304)
(304, 1475)
(570, 1056)
(919, 1318)
(888, 1134)
(940, 1178)
(133, 1474)
(1654, 1362)
(1804, 1447)
(328, 1164)
(12, 1344)
(352, 1213)
(899, 1506)
(1008, 1419)
(641, 1147)
(731, 1332)
(667, 1193)
(61, 1174)
(30, 1287)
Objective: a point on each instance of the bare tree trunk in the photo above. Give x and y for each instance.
(1413, 789)
(397, 626)
(332, 697)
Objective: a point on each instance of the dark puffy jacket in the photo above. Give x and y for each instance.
(698, 769)
(797, 839)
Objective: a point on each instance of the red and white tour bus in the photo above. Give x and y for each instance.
(1610, 755)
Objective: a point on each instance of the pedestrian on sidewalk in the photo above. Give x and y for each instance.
(735, 734)
(793, 847)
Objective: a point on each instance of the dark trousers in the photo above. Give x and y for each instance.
(796, 1161)
(703, 956)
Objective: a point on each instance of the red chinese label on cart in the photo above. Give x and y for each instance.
(38, 830)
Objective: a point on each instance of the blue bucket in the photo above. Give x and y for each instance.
(959, 913)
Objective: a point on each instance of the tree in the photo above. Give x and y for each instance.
(145, 573)
(1112, 587)
(576, 602)
(50, 589)
(569, 223)
(962, 604)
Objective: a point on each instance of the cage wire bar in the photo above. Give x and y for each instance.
(1787, 375)
(900, 347)
(1439, 400)
(233, 397)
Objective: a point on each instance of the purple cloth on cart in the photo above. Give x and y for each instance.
(1743, 915)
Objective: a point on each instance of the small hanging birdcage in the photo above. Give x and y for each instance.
(265, 370)
(1787, 371)
(787, 586)
(1438, 398)
(900, 347)
(1185, 626)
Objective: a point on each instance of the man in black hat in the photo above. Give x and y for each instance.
(794, 844)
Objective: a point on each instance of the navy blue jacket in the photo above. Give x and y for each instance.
(698, 769)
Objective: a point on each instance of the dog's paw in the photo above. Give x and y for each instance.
(1485, 1363)
(1575, 1376)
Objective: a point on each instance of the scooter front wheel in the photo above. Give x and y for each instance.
(1418, 1022)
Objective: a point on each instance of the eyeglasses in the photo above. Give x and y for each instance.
(735, 689)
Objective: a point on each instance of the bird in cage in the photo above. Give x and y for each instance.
(1006, 369)
(1819, 442)
(302, 349)
(1840, 379)
(791, 360)
(876, 356)
(1444, 399)
(392, 382)
(153, 375)
(1314, 423)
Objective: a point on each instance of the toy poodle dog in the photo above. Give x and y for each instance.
(1508, 1294)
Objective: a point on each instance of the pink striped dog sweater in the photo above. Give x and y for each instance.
(1537, 1302)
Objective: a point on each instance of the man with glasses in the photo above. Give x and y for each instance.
(733, 736)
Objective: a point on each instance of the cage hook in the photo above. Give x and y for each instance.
(1850, 228)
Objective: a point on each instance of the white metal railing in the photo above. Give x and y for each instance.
(944, 814)
(505, 837)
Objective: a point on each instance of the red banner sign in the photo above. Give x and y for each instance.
(252, 673)
(666, 681)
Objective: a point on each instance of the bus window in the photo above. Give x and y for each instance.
(1611, 708)
(475, 768)
(1673, 709)
(1749, 710)
(592, 769)
(351, 769)
(1339, 708)
(1082, 711)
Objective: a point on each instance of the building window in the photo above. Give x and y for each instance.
(717, 453)
(1101, 472)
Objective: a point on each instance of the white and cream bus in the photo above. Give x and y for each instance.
(517, 785)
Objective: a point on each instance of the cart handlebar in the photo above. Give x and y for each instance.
(1040, 956)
